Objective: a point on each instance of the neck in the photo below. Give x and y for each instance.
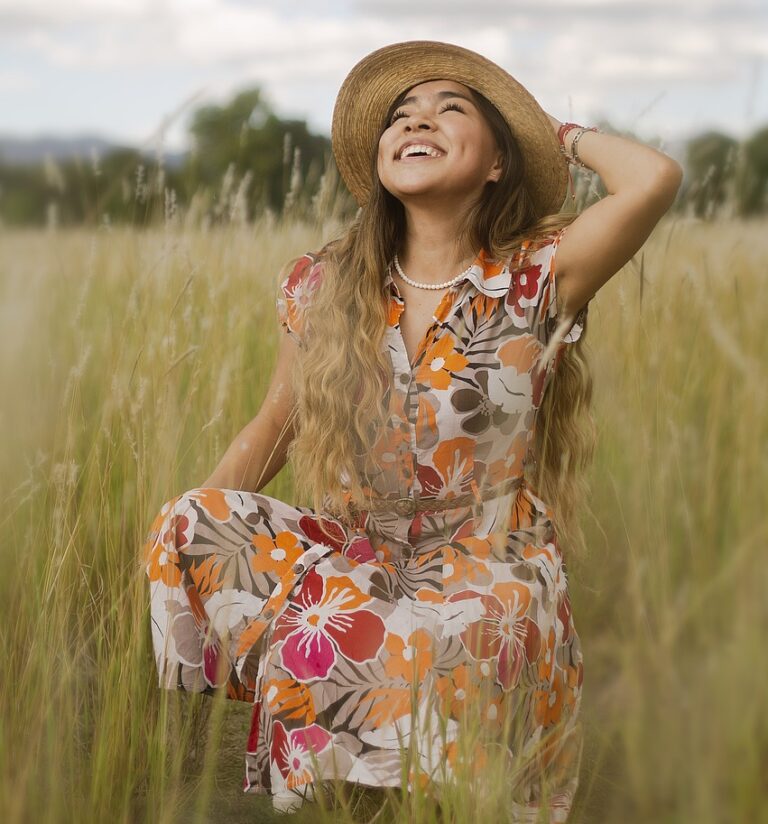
(430, 250)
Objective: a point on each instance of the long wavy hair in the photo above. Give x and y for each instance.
(343, 376)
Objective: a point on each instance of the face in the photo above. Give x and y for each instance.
(464, 156)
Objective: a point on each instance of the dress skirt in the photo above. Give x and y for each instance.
(362, 654)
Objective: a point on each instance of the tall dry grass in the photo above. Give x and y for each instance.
(130, 359)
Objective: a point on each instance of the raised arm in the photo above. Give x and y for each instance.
(258, 452)
(642, 183)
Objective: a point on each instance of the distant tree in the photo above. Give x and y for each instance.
(247, 135)
(752, 190)
(710, 159)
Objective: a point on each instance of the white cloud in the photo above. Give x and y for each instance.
(49, 13)
(587, 55)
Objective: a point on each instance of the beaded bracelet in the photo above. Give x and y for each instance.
(573, 157)
(576, 139)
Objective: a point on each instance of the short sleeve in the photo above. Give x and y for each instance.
(535, 293)
(294, 293)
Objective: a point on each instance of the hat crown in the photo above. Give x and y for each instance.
(377, 80)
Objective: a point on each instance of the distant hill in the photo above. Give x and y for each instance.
(30, 151)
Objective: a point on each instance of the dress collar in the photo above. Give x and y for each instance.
(489, 276)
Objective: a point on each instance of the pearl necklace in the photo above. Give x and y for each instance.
(431, 285)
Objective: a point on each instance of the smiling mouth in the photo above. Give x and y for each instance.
(422, 151)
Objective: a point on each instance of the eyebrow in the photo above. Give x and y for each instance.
(440, 96)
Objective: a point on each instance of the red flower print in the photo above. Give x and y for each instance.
(527, 281)
(524, 291)
(324, 619)
(313, 527)
(253, 734)
(504, 631)
(293, 752)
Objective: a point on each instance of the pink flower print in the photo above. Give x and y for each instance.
(360, 549)
(324, 620)
(293, 752)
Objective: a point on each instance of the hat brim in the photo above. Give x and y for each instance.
(374, 83)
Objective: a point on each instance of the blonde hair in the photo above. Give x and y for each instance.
(343, 375)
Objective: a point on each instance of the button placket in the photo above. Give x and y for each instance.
(277, 601)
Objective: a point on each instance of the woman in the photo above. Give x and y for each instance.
(433, 398)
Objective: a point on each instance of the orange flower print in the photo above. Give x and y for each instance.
(547, 657)
(475, 762)
(439, 361)
(459, 567)
(213, 501)
(395, 310)
(549, 702)
(452, 469)
(520, 352)
(456, 691)
(409, 660)
(278, 553)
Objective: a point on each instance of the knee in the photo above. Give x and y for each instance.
(175, 521)
(180, 505)
(169, 532)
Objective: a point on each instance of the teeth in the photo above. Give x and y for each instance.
(419, 147)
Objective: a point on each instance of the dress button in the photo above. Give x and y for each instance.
(404, 378)
(297, 568)
(268, 614)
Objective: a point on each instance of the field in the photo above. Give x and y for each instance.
(129, 361)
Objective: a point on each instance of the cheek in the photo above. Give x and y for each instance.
(380, 158)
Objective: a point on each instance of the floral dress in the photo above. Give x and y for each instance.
(351, 647)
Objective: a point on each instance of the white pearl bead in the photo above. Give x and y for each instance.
(430, 285)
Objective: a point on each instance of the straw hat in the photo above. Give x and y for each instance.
(375, 81)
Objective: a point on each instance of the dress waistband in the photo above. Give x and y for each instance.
(409, 506)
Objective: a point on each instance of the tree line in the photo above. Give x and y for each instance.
(245, 161)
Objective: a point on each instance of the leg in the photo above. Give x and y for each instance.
(213, 558)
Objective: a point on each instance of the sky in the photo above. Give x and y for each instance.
(133, 70)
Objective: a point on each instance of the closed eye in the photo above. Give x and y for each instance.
(400, 113)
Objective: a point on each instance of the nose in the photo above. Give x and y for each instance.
(423, 122)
